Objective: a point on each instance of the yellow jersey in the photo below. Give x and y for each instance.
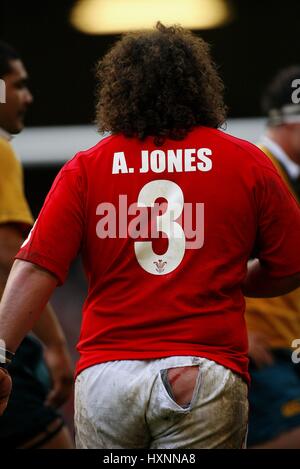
(13, 205)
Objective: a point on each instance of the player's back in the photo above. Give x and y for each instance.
(169, 231)
(165, 233)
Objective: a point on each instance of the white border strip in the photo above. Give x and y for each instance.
(55, 145)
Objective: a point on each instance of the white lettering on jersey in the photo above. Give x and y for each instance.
(179, 221)
(159, 161)
(166, 223)
(206, 163)
(119, 163)
(174, 161)
(171, 161)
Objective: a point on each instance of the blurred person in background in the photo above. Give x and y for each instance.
(274, 323)
(39, 386)
(163, 344)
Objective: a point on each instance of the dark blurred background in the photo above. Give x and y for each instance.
(262, 38)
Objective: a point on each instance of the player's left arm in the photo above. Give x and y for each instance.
(26, 294)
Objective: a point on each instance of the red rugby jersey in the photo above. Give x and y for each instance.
(165, 234)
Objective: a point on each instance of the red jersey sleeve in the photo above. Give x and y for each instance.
(56, 237)
(278, 246)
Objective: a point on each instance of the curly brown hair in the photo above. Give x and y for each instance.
(159, 83)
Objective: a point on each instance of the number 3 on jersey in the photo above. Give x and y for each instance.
(146, 257)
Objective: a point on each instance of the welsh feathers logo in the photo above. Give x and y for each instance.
(160, 265)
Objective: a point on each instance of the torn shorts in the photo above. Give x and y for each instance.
(129, 404)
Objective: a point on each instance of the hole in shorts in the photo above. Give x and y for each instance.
(180, 383)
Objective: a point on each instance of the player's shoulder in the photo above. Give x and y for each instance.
(227, 139)
(249, 152)
(83, 157)
(104, 142)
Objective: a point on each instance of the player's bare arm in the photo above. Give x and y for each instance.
(19, 313)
